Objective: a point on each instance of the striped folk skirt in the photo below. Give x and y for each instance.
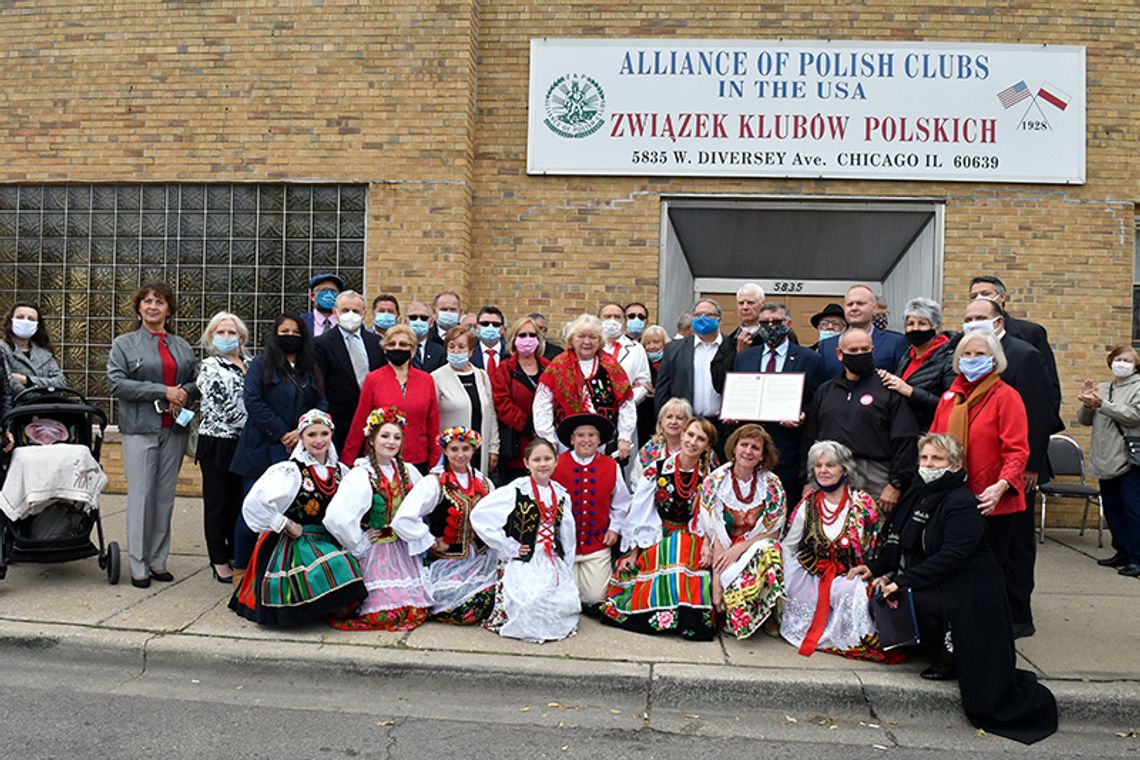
(665, 592)
(295, 581)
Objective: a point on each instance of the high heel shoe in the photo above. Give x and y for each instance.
(221, 578)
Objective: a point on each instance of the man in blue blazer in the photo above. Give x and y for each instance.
(775, 352)
(859, 308)
(490, 325)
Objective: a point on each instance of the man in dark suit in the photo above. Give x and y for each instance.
(775, 352)
(323, 290)
(345, 355)
(429, 355)
(859, 310)
(490, 325)
(1029, 376)
(552, 348)
(991, 287)
(686, 368)
(447, 311)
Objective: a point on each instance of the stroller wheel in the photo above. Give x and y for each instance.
(113, 560)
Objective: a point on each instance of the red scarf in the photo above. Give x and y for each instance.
(563, 376)
(916, 361)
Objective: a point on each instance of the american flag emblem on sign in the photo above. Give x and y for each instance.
(1014, 94)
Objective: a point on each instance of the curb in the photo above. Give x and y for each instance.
(675, 686)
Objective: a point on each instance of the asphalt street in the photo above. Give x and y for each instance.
(57, 708)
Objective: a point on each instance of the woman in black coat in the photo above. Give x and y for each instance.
(927, 368)
(936, 545)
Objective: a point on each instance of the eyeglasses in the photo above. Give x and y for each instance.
(771, 322)
(489, 323)
(637, 316)
(527, 335)
(418, 318)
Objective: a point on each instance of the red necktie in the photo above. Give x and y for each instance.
(617, 350)
(491, 363)
(771, 361)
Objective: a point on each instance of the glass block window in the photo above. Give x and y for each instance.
(79, 251)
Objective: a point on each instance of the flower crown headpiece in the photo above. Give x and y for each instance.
(460, 433)
(314, 417)
(383, 416)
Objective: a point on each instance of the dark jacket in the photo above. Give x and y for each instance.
(936, 545)
(889, 349)
(273, 410)
(929, 381)
(1036, 336)
(341, 388)
(1029, 376)
(435, 356)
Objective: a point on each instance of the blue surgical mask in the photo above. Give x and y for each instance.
(705, 325)
(225, 346)
(635, 326)
(447, 319)
(326, 299)
(419, 327)
(975, 367)
(458, 361)
(825, 334)
(655, 356)
(383, 320)
(489, 334)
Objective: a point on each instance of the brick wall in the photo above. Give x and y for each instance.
(427, 103)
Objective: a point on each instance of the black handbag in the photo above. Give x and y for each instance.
(1131, 445)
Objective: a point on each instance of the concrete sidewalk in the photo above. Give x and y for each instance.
(1086, 649)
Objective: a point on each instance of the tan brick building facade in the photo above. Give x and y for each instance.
(427, 104)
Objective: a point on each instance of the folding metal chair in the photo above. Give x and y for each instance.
(1067, 460)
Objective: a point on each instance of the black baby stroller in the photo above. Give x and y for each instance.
(65, 504)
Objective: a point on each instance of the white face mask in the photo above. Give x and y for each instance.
(986, 325)
(24, 328)
(931, 474)
(612, 328)
(349, 320)
(1122, 368)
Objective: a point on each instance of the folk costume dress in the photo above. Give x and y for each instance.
(536, 598)
(360, 518)
(734, 512)
(667, 590)
(601, 502)
(571, 386)
(296, 580)
(826, 610)
(461, 581)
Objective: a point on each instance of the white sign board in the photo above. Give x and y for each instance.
(855, 110)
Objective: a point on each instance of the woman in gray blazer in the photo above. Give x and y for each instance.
(152, 373)
(30, 355)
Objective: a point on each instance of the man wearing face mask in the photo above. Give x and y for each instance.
(878, 425)
(489, 330)
(323, 290)
(1029, 376)
(774, 352)
(345, 355)
(385, 313)
(429, 355)
(636, 320)
(830, 323)
(686, 369)
(446, 307)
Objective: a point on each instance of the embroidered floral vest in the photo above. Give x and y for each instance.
(386, 498)
(451, 519)
(310, 503)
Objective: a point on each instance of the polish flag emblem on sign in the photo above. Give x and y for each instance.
(1054, 96)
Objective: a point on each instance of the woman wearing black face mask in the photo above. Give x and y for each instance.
(926, 369)
(282, 383)
(412, 391)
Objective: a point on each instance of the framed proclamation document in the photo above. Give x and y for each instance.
(762, 396)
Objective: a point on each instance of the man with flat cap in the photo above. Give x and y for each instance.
(323, 290)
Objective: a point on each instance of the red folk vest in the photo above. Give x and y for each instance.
(591, 486)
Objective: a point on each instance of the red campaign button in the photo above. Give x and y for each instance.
(866, 399)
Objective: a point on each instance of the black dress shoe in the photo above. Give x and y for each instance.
(1132, 570)
(1116, 560)
(939, 673)
(163, 576)
(1023, 630)
(140, 582)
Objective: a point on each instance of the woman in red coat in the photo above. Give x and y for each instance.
(988, 418)
(410, 390)
(513, 384)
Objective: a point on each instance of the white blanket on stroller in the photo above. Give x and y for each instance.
(39, 474)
